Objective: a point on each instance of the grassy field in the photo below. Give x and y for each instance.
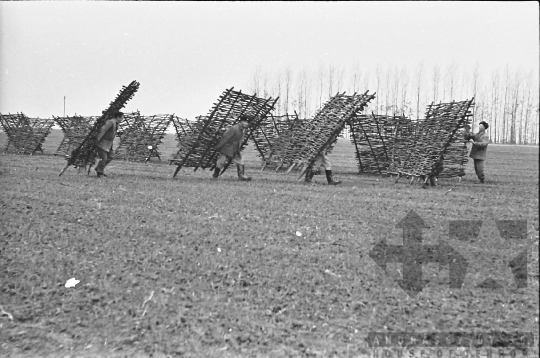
(194, 266)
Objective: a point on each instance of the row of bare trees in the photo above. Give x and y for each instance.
(507, 98)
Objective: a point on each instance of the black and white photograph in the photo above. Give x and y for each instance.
(269, 179)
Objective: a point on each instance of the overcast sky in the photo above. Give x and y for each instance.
(185, 54)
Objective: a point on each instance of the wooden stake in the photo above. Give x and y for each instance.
(291, 167)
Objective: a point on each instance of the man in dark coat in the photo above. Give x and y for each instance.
(479, 149)
(229, 147)
(105, 140)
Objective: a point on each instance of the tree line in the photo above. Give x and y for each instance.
(507, 98)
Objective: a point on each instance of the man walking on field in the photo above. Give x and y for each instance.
(229, 147)
(479, 149)
(322, 160)
(105, 140)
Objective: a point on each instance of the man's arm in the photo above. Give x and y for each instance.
(484, 142)
(104, 129)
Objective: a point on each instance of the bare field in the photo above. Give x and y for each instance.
(194, 266)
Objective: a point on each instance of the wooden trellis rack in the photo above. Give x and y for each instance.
(183, 127)
(85, 153)
(197, 149)
(328, 123)
(438, 137)
(278, 128)
(75, 130)
(455, 154)
(378, 140)
(309, 138)
(25, 135)
(140, 141)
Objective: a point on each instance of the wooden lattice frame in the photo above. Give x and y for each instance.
(276, 131)
(25, 135)
(140, 141)
(183, 127)
(378, 140)
(75, 130)
(437, 138)
(85, 153)
(197, 149)
(455, 155)
(309, 138)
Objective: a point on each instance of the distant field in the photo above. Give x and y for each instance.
(194, 266)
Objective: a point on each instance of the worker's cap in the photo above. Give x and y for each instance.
(484, 124)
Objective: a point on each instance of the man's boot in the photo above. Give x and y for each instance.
(216, 172)
(309, 175)
(433, 180)
(241, 176)
(330, 178)
(100, 169)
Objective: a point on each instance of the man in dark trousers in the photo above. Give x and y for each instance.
(434, 175)
(479, 149)
(229, 147)
(104, 143)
